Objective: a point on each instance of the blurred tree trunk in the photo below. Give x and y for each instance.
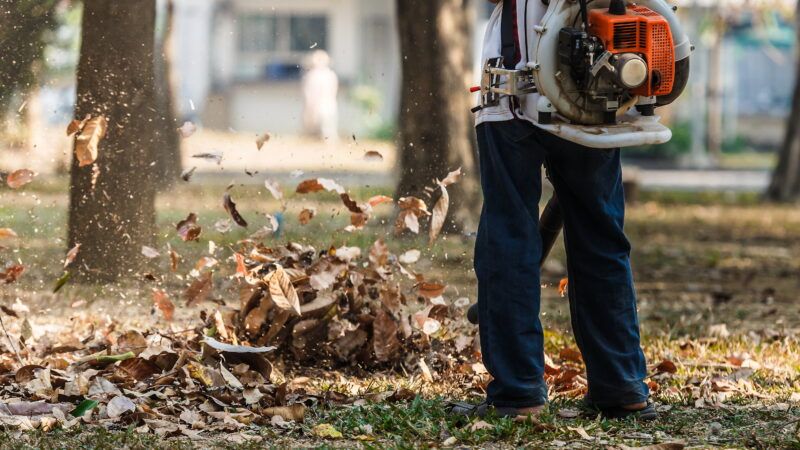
(168, 156)
(715, 90)
(436, 126)
(24, 26)
(785, 184)
(114, 216)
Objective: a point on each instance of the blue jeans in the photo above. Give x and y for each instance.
(507, 252)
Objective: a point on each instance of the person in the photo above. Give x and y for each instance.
(320, 105)
(602, 299)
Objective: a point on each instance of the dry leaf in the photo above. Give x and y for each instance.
(216, 157)
(77, 125)
(430, 290)
(118, 406)
(275, 189)
(150, 252)
(188, 229)
(452, 177)
(164, 304)
(187, 129)
(379, 199)
(481, 425)
(373, 156)
(439, 215)
(186, 175)
(227, 202)
(86, 143)
(570, 354)
(385, 341)
(71, 255)
(199, 290)
(563, 286)
(282, 292)
(11, 274)
(306, 215)
(666, 366)
(263, 139)
(19, 178)
(410, 257)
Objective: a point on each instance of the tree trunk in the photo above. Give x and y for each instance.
(785, 184)
(114, 216)
(715, 88)
(168, 155)
(436, 127)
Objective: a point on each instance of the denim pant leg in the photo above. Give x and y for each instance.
(507, 253)
(601, 293)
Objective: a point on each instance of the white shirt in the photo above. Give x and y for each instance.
(492, 47)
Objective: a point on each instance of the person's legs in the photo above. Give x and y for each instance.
(507, 254)
(601, 293)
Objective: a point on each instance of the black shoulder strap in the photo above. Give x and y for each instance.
(508, 34)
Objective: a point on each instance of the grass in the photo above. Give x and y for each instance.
(700, 261)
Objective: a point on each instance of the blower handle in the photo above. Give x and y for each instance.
(584, 14)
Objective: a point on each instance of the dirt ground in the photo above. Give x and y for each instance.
(717, 278)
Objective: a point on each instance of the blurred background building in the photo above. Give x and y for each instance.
(238, 66)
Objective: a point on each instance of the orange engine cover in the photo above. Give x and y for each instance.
(641, 31)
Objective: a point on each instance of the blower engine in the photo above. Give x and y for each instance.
(601, 68)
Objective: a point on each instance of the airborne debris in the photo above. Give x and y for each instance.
(263, 139)
(20, 178)
(187, 129)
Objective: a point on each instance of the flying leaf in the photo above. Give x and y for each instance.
(439, 215)
(385, 342)
(71, 255)
(319, 184)
(150, 252)
(11, 274)
(275, 189)
(563, 285)
(19, 178)
(216, 157)
(7, 233)
(306, 215)
(351, 205)
(282, 292)
(263, 139)
(199, 290)
(379, 199)
(188, 229)
(187, 129)
(373, 156)
(77, 125)
(61, 281)
(228, 348)
(89, 138)
(241, 269)
(230, 206)
(410, 257)
(452, 177)
(164, 304)
(186, 175)
(430, 290)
